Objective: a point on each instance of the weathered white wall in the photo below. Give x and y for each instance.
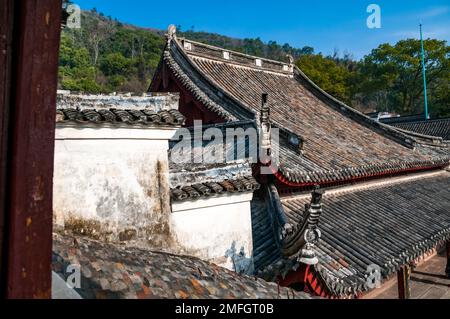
(111, 183)
(217, 229)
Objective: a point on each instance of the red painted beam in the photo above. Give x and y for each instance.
(28, 215)
(307, 276)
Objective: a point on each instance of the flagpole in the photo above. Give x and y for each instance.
(424, 70)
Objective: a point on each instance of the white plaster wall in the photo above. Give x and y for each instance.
(216, 229)
(112, 183)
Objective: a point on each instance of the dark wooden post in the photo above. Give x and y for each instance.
(447, 269)
(29, 39)
(6, 18)
(403, 276)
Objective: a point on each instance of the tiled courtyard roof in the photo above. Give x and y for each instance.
(111, 271)
(438, 128)
(339, 143)
(388, 224)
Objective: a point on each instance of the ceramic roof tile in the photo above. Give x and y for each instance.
(113, 116)
(338, 142)
(211, 189)
(389, 225)
(438, 128)
(112, 271)
(119, 109)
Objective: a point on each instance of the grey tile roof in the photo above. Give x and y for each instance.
(113, 116)
(265, 249)
(119, 272)
(438, 128)
(405, 118)
(388, 225)
(147, 110)
(210, 189)
(201, 152)
(155, 102)
(339, 142)
(199, 175)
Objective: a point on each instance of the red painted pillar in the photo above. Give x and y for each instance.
(28, 144)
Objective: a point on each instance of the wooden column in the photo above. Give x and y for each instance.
(403, 276)
(29, 32)
(6, 21)
(447, 269)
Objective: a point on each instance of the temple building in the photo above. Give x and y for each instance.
(128, 214)
(344, 202)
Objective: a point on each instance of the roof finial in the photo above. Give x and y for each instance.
(302, 240)
(171, 32)
(290, 59)
(317, 194)
(266, 128)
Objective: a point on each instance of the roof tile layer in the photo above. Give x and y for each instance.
(338, 141)
(332, 141)
(438, 128)
(114, 116)
(210, 189)
(111, 271)
(388, 225)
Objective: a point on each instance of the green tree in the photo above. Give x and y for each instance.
(116, 64)
(75, 70)
(327, 74)
(440, 102)
(395, 72)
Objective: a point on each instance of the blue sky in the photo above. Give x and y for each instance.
(323, 24)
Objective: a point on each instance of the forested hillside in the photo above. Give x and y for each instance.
(107, 56)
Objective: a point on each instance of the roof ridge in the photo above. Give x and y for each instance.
(231, 57)
(127, 116)
(194, 87)
(233, 51)
(423, 121)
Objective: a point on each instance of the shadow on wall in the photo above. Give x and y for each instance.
(241, 263)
